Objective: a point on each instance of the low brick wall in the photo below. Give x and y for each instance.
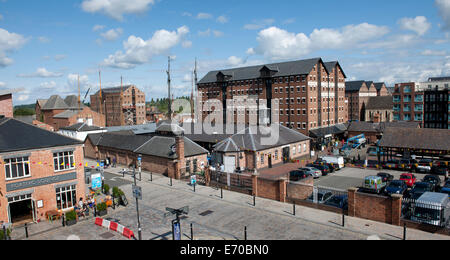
(374, 207)
(426, 227)
(268, 189)
(300, 190)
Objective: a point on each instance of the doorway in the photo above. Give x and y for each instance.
(286, 154)
(21, 211)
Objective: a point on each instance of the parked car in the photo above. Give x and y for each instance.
(374, 184)
(434, 180)
(409, 178)
(322, 197)
(323, 168)
(391, 164)
(386, 177)
(338, 201)
(396, 187)
(313, 172)
(407, 164)
(298, 175)
(424, 166)
(419, 189)
(440, 170)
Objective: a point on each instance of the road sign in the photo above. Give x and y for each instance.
(96, 180)
(193, 179)
(137, 192)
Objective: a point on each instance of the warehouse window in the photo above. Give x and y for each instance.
(17, 168)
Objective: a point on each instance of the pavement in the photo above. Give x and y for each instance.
(213, 218)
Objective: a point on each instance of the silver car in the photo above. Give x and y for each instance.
(312, 171)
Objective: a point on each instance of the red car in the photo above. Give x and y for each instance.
(409, 178)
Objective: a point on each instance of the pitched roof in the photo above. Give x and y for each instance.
(41, 102)
(331, 65)
(136, 129)
(161, 146)
(126, 142)
(114, 89)
(379, 85)
(72, 102)
(55, 102)
(67, 114)
(379, 127)
(382, 103)
(81, 127)
(333, 130)
(255, 141)
(420, 138)
(300, 67)
(353, 86)
(18, 136)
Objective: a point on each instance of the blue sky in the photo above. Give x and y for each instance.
(45, 44)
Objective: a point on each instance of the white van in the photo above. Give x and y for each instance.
(335, 160)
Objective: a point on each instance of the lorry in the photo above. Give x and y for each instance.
(337, 160)
(432, 208)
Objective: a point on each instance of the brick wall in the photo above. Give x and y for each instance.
(47, 193)
(374, 207)
(300, 190)
(6, 105)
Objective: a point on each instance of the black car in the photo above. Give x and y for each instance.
(323, 168)
(338, 201)
(440, 170)
(407, 164)
(434, 180)
(386, 177)
(331, 166)
(396, 187)
(298, 175)
(421, 188)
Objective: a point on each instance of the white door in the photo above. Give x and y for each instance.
(229, 163)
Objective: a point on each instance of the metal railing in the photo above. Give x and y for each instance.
(424, 212)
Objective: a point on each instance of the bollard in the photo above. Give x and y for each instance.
(95, 210)
(192, 232)
(254, 201)
(113, 202)
(63, 222)
(151, 177)
(171, 182)
(4, 233)
(343, 220)
(194, 187)
(26, 230)
(294, 209)
(221, 192)
(404, 232)
(245, 233)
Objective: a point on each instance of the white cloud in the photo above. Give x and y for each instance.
(259, 24)
(48, 85)
(419, 25)
(433, 53)
(41, 73)
(186, 44)
(98, 28)
(222, 19)
(276, 43)
(116, 9)
(72, 82)
(9, 42)
(43, 39)
(203, 16)
(208, 32)
(218, 33)
(205, 33)
(138, 51)
(444, 12)
(112, 34)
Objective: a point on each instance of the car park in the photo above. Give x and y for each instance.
(373, 184)
(322, 197)
(313, 172)
(336, 160)
(419, 189)
(386, 177)
(338, 201)
(434, 180)
(409, 178)
(407, 164)
(432, 209)
(396, 187)
(440, 170)
(391, 164)
(298, 175)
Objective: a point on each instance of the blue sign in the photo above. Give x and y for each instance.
(177, 231)
(139, 159)
(193, 180)
(96, 181)
(102, 164)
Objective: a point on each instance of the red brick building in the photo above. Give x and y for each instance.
(6, 104)
(310, 93)
(120, 105)
(40, 171)
(358, 94)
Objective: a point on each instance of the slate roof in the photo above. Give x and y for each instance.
(381, 103)
(331, 65)
(300, 67)
(136, 129)
(171, 128)
(41, 102)
(421, 138)
(207, 137)
(18, 136)
(124, 142)
(66, 114)
(379, 85)
(72, 102)
(55, 102)
(161, 146)
(353, 86)
(333, 130)
(379, 127)
(253, 141)
(81, 127)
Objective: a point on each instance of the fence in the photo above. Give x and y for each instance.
(423, 212)
(233, 181)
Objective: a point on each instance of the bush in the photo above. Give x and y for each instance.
(102, 207)
(117, 192)
(72, 215)
(2, 235)
(106, 189)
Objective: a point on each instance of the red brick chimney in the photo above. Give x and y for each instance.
(179, 146)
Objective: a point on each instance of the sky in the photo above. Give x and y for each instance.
(46, 45)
